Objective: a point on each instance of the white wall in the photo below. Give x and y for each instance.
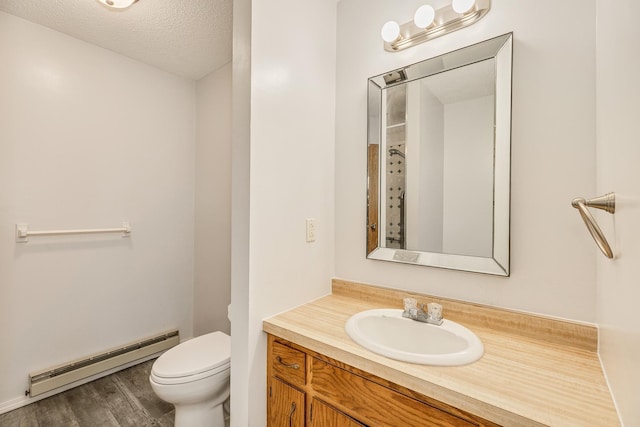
(89, 138)
(283, 171)
(553, 156)
(468, 177)
(212, 268)
(431, 178)
(618, 151)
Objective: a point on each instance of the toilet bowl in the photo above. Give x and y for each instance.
(194, 377)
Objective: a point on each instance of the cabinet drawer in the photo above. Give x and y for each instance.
(375, 404)
(288, 364)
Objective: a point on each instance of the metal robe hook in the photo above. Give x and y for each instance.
(606, 203)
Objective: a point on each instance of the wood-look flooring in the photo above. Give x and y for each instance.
(122, 399)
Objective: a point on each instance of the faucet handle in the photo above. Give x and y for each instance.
(434, 311)
(410, 303)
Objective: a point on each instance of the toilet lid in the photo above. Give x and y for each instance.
(197, 355)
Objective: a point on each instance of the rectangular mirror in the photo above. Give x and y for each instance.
(439, 142)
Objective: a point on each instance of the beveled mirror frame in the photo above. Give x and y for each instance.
(499, 48)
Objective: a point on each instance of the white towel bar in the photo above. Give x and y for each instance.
(23, 233)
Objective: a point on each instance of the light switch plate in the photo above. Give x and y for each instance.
(311, 230)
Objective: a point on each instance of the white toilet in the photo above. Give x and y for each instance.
(194, 376)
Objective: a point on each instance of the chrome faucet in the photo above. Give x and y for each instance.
(412, 311)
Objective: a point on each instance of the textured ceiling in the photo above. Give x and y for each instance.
(187, 37)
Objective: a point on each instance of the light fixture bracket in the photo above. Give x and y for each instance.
(446, 21)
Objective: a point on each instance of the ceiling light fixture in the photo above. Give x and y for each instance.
(117, 4)
(429, 23)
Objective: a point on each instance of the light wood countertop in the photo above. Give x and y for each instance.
(535, 371)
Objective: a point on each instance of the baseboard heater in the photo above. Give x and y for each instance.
(59, 376)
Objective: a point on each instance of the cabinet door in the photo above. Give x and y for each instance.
(323, 415)
(286, 405)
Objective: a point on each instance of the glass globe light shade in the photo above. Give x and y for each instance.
(462, 6)
(424, 16)
(390, 31)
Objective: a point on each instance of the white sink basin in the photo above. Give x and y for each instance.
(386, 332)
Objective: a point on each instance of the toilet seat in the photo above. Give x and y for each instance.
(190, 378)
(194, 359)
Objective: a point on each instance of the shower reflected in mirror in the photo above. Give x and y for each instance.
(396, 180)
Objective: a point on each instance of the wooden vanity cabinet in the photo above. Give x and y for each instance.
(306, 388)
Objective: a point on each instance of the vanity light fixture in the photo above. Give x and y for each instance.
(117, 4)
(429, 23)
